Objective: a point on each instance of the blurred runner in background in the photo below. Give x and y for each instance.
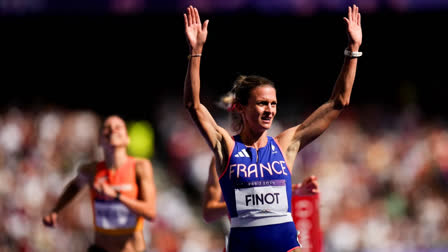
(122, 190)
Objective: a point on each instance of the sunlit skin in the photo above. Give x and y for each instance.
(260, 110)
(114, 140)
(261, 107)
(114, 133)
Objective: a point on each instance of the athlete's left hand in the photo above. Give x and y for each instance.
(105, 189)
(354, 31)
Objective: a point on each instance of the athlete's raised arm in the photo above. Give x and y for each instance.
(217, 138)
(294, 139)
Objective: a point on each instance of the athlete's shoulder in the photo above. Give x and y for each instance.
(238, 141)
(141, 161)
(142, 165)
(86, 173)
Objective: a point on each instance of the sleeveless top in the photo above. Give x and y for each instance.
(257, 185)
(110, 215)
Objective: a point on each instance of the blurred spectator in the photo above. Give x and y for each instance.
(39, 154)
(383, 182)
(384, 187)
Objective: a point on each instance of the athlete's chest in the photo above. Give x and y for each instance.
(249, 164)
(122, 180)
(115, 177)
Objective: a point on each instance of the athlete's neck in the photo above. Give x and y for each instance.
(254, 139)
(115, 158)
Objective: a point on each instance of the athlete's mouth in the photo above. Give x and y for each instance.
(266, 118)
(110, 136)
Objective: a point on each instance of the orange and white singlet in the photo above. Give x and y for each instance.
(110, 215)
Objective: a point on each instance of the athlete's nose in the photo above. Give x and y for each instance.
(269, 108)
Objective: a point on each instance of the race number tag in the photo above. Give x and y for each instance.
(113, 215)
(262, 198)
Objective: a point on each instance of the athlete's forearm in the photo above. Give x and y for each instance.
(72, 189)
(140, 207)
(343, 87)
(192, 81)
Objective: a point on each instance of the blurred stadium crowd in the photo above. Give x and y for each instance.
(383, 180)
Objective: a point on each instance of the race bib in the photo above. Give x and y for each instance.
(262, 198)
(113, 215)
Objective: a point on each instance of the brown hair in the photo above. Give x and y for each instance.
(239, 94)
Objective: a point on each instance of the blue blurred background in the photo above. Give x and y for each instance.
(66, 64)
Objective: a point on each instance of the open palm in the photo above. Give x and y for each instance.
(309, 186)
(353, 22)
(194, 30)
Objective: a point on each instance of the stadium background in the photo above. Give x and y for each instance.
(383, 167)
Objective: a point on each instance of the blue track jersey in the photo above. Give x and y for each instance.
(257, 185)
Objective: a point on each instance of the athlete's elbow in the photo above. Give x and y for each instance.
(150, 214)
(192, 107)
(341, 103)
(207, 216)
(188, 104)
(207, 213)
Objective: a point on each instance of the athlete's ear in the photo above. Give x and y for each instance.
(239, 107)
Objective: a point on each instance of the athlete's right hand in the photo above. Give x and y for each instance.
(196, 32)
(50, 220)
(309, 186)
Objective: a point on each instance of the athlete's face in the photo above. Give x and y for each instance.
(114, 133)
(261, 108)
